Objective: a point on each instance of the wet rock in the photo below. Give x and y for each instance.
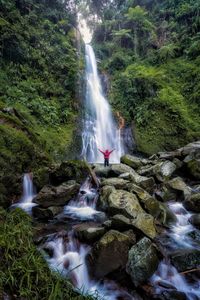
(157, 209)
(42, 213)
(172, 295)
(48, 250)
(120, 222)
(133, 161)
(130, 233)
(195, 220)
(142, 261)
(100, 217)
(162, 170)
(118, 183)
(57, 196)
(177, 184)
(101, 171)
(193, 203)
(56, 210)
(103, 199)
(184, 260)
(126, 204)
(109, 254)
(190, 148)
(193, 167)
(89, 233)
(69, 170)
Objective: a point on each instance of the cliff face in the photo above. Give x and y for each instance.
(38, 78)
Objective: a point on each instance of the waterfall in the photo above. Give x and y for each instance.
(25, 202)
(99, 130)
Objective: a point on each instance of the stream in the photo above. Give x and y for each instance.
(68, 255)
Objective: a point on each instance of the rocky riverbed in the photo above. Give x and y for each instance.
(128, 223)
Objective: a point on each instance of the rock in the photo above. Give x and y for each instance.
(162, 170)
(193, 203)
(125, 203)
(118, 169)
(142, 261)
(190, 148)
(177, 184)
(120, 222)
(69, 170)
(195, 220)
(105, 191)
(193, 167)
(130, 233)
(41, 177)
(42, 213)
(101, 171)
(89, 233)
(146, 183)
(133, 161)
(158, 210)
(57, 196)
(118, 183)
(172, 295)
(109, 254)
(56, 210)
(125, 176)
(169, 155)
(184, 260)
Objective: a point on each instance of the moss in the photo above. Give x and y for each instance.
(23, 271)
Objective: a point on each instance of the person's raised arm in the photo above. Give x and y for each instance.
(100, 151)
(111, 151)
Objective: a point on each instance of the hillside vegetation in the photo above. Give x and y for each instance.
(38, 83)
(151, 51)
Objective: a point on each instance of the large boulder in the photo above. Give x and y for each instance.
(109, 254)
(184, 260)
(42, 213)
(118, 183)
(133, 161)
(89, 233)
(157, 209)
(57, 196)
(105, 191)
(127, 204)
(193, 166)
(193, 203)
(190, 148)
(179, 186)
(162, 170)
(69, 170)
(142, 261)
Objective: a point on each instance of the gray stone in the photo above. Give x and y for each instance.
(118, 183)
(42, 213)
(184, 260)
(133, 161)
(89, 233)
(157, 209)
(57, 196)
(193, 203)
(109, 254)
(177, 184)
(162, 170)
(142, 261)
(195, 220)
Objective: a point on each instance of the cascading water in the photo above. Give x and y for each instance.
(69, 256)
(28, 194)
(100, 130)
(179, 238)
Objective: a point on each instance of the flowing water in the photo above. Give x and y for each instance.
(100, 129)
(28, 194)
(178, 239)
(69, 256)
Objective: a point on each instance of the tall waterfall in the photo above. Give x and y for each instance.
(100, 130)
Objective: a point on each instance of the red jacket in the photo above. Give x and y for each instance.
(106, 153)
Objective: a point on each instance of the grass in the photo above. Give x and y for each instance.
(24, 274)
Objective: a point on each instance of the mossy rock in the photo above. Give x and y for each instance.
(70, 170)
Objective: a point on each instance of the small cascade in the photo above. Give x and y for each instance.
(179, 238)
(25, 202)
(100, 129)
(69, 255)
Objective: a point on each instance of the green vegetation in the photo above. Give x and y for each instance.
(27, 276)
(151, 51)
(38, 87)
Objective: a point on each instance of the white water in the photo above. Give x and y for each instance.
(167, 273)
(69, 256)
(100, 130)
(25, 202)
